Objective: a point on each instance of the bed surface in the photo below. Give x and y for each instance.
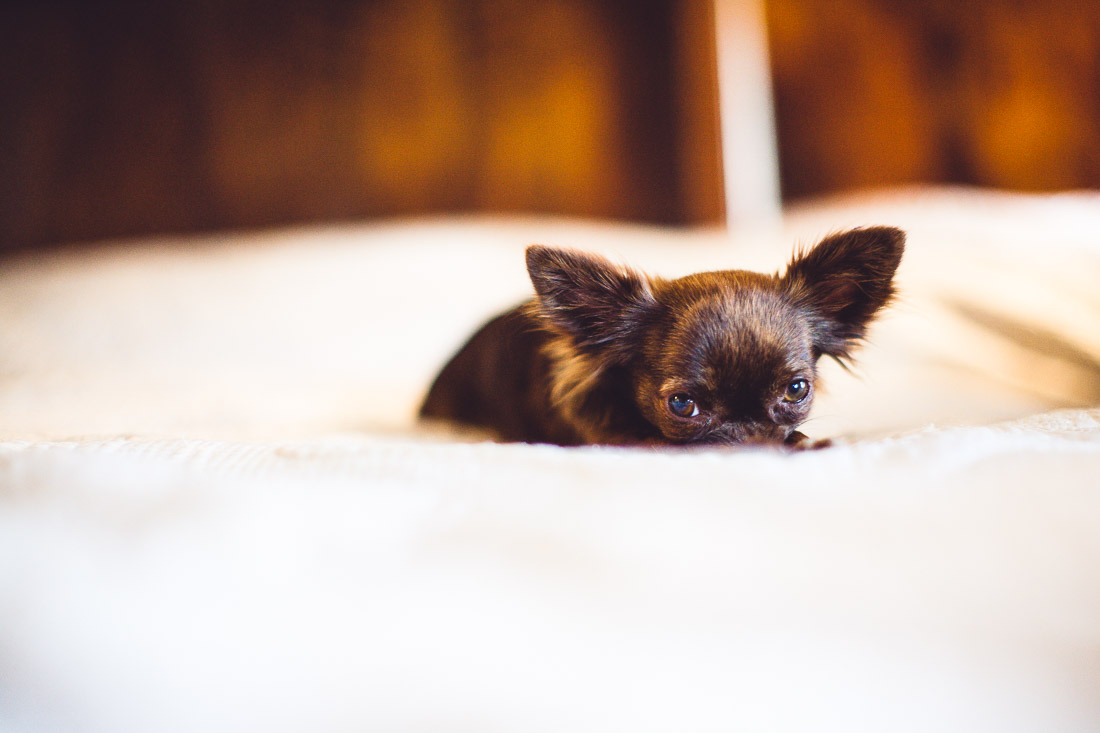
(218, 512)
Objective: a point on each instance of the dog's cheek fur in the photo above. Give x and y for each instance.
(593, 390)
(843, 282)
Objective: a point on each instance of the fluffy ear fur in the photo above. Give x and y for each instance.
(599, 305)
(844, 281)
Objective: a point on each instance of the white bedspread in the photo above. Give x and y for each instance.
(217, 511)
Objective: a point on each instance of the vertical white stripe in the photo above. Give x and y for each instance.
(750, 158)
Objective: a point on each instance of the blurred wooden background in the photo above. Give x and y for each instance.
(1001, 93)
(126, 117)
(123, 118)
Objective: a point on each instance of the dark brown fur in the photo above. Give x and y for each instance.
(599, 353)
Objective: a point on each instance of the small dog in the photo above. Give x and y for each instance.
(607, 355)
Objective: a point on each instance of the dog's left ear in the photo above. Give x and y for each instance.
(843, 282)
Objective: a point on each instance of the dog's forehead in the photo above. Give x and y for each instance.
(730, 329)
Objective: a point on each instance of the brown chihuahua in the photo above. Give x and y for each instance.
(605, 354)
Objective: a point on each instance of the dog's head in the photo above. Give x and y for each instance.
(724, 357)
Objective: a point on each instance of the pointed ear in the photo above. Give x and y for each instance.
(844, 281)
(600, 305)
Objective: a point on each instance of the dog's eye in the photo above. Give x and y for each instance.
(683, 405)
(796, 390)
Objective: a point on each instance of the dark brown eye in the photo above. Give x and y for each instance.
(683, 405)
(796, 390)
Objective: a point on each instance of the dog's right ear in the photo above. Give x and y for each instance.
(600, 305)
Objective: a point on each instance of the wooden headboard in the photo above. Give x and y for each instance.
(129, 117)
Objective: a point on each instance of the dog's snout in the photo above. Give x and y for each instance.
(747, 433)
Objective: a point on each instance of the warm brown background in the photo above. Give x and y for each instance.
(127, 117)
(999, 93)
(122, 117)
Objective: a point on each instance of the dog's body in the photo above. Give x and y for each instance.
(604, 354)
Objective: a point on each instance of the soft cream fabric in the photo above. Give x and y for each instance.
(217, 511)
